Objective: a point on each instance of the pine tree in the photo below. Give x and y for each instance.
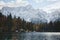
(9, 22)
(0, 14)
(9, 25)
(24, 24)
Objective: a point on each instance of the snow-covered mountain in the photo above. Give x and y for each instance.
(54, 15)
(30, 14)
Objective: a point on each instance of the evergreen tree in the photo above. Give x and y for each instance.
(0, 14)
(24, 24)
(9, 22)
(9, 25)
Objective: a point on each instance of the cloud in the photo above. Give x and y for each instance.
(52, 6)
(21, 2)
(51, 0)
(42, 4)
(14, 3)
(38, 1)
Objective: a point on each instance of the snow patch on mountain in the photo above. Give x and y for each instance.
(30, 14)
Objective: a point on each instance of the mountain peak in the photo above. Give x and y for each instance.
(28, 13)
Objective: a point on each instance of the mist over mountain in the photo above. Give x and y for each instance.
(30, 14)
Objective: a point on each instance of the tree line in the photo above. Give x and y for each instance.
(9, 24)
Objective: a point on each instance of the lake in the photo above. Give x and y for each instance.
(39, 36)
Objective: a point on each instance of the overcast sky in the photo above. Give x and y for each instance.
(38, 4)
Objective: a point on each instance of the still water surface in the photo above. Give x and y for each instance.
(39, 36)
